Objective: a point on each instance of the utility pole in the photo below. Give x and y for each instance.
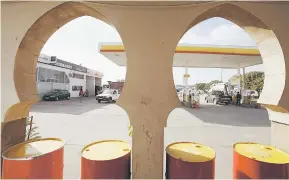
(221, 74)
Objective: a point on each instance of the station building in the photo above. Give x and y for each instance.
(53, 73)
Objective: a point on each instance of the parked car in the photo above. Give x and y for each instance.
(56, 95)
(217, 97)
(109, 95)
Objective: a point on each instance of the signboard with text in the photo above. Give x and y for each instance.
(186, 75)
(235, 80)
(68, 65)
(94, 73)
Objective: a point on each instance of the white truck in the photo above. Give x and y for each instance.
(108, 95)
(220, 87)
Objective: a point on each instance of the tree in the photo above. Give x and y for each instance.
(206, 86)
(253, 80)
(31, 131)
(214, 82)
(201, 86)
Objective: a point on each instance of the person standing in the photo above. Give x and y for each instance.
(190, 99)
(238, 99)
(81, 94)
(234, 101)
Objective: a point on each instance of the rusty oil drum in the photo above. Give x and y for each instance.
(257, 161)
(34, 159)
(110, 159)
(190, 160)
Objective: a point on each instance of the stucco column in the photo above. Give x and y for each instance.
(149, 93)
(148, 97)
(147, 147)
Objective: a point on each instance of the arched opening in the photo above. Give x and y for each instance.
(54, 61)
(220, 126)
(127, 15)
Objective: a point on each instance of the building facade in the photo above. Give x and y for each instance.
(53, 73)
(116, 85)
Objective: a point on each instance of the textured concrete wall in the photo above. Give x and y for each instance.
(279, 135)
(32, 24)
(150, 35)
(24, 16)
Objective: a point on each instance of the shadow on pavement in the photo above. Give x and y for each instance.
(230, 115)
(72, 106)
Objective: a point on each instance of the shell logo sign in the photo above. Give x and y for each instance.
(235, 80)
(186, 75)
(98, 74)
(94, 73)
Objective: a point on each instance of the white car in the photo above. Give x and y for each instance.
(109, 95)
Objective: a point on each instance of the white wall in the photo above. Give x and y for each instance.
(72, 81)
(98, 82)
(43, 87)
(90, 85)
(76, 82)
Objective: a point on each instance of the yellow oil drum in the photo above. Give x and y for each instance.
(190, 160)
(258, 161)
(34, 159)
(246, 100)
(109, 159)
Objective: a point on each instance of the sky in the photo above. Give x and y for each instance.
(78, 40)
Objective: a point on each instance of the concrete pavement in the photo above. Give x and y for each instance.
(216, 126)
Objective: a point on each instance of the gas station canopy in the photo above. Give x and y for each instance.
(197, 56)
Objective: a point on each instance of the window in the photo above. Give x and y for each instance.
(50, 75)
(55, 91)
(56, 75)
(37, 72)
(76, 88)
(78, 76)
(61, 77)
(41, 74)
(66, 79)
(107, 91)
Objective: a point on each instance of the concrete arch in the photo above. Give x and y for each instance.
(30, 47)
(267, 43)
(150, 35)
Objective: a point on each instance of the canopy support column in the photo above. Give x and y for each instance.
(243, 79)
(186, 76)
(239, 81)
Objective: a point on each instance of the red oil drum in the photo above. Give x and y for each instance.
(257, 161)
(34, 159)
(108, 159)
(189, 160)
